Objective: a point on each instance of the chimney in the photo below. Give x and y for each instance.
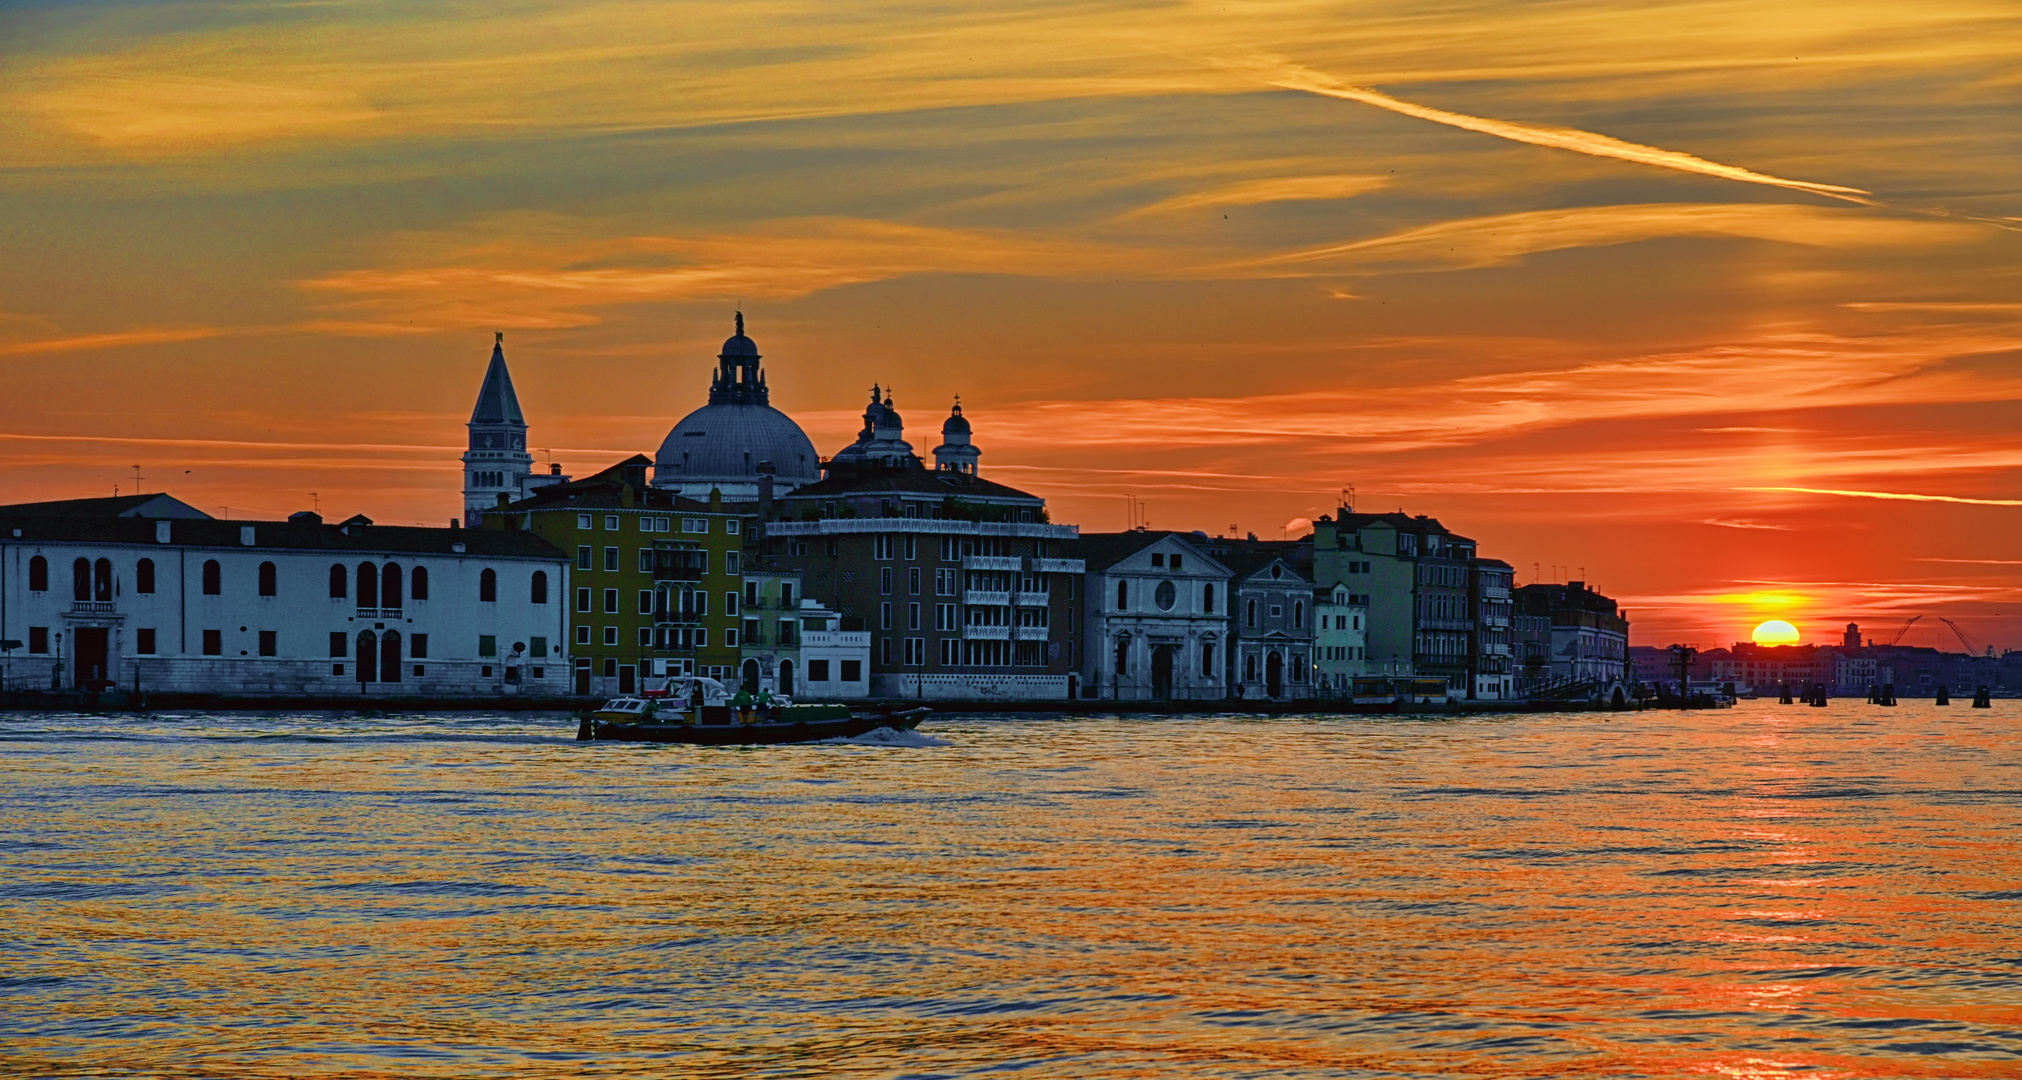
(504, 499)
(555, 469)
(715, 500)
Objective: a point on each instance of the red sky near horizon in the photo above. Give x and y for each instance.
(1713, 305)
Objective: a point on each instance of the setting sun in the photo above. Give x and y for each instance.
(1775, 632)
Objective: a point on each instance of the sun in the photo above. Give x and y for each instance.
(1775, 632)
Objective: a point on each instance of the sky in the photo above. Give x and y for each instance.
(1714, 305)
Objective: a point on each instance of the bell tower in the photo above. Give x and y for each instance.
(497, 462)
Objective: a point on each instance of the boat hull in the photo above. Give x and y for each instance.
(737, 734)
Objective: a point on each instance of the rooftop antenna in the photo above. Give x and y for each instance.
(136, 479)
(315, 504)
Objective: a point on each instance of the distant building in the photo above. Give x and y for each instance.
(1419, 578)
(770, 639)
(721, 446)
(1157, 616)
(1339, 640)
(497, 465)
(1494, 660)
(966, 589)
(1272, 630)
(835, 654)
(1589, 637)
(147, 593)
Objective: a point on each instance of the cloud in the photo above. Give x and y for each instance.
(1963, 306)
(81, 342)
(1470, 243)
(1890, 495)
(1277, 71)
(1252, 192)
(1743, 523)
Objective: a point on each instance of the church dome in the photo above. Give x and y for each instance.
(956, 423)
(722, 444)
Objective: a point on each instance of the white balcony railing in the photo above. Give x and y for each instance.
(91, 607)
(981, 597)
(992, 562)
(987, 633)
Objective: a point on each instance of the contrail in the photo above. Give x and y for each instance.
(1891, 495)
(1280, 72)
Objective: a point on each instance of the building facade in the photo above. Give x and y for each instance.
(1494, 662)
(1589, 637)
(1271, 627)
(1156, 609)
(1419, 578)
(105, 594)
(1340, 643)
(497, 463)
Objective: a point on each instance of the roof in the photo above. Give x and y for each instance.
(1100, 551)
(940, 483)
(1245, 564)
(606, 490)
(1351, 522)
(726, 441)
(157, 505)
(496, 401)
(283, 535)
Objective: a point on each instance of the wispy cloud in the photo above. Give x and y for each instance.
(1743, 523)
(1253, 192)
(1278, 71)
(84, 342)
(1906, 496)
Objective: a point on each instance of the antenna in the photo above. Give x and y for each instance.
(136, 479)
(1348, 498)
(315, 503)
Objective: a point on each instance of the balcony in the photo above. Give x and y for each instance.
(993, 562)
(1030, 633)
(91, 607)
(1059, 566)
(679, 564)
(987, 633)
(676, 618)
(379, 613)
(986, 599)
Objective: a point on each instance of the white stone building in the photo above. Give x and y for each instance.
(1157, 613)
(835, 662)
(146, 593)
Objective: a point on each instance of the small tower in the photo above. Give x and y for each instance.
(956, 453)
(497, 462)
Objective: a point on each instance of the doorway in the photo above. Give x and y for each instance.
(751, 676)
(90, 646)
(582, 678)
(628, 678)
(1161, 672)
(786, 677)
(1274, 674)
(368, 654)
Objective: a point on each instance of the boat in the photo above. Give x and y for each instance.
(698, 710)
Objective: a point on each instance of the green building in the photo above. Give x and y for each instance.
(655, 586)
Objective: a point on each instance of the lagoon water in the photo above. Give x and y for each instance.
(1753, 892)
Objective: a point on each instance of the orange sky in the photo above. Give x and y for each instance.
(1715, 303)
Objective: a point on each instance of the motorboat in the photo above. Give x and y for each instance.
(700, 710)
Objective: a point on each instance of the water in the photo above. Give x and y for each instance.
(1747, 893)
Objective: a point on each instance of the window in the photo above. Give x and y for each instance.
(610, 558)
(916, 651)
(852, 671)
(38, 636)
(80, 581)
(884, 581)
(730, 638)
(913, 581)
(583, 557)
(944, 617)
(1299, 616)
(1165, 596)
(881, 546)
(695, 525)
(421, 669)
(368, 585)
(944, 583)
(730, 604)
(582, 635)
(340, 645)
(1277, 611)
(487, 645)
(487, 586)
(539, 590)
(213, 578)
(1122, 595)
(1123, 656)
(1175, 563)
(731, 526)
(751, 594)
(610, 635)
(583, 599)
(340, 582)
(610, 601)
(885, 616)
(645, 560)
(817, 671)
(912, 616)
(786, 594)
(583, 522)
(912, 548)
(417, 646)
(611, 523)
(143, 576)
(645, 524)
(417, 587)
(701, 637)
(269, 643)
(38, 574)
(1208, 598)
(1208, 659)
(731, 561)
(885, 651)
(214, 643)
(645, 601)
(143, 641)
(537, 648)
(390, 580)
(645, 637)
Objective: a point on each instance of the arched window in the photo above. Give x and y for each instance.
(540, 587)
(1208, 598)
(80, 580)
(1123, 656)
(1298, 668)
(417, 584)
(1250, 668)
(389, 657)
(1208, 659)
(389, 585)
(101, 581)
(368, 585)
(786, 677)
(214, 578)
(1122, 595)
(268, 585)
(368, 657)
(38, 574)
(1250, 613)
(1298, 615)
(143, 576)
(340, 582)
(487, 586)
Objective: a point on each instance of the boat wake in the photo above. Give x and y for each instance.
(885, 736)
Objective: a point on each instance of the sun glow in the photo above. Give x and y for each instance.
(1775, 632)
